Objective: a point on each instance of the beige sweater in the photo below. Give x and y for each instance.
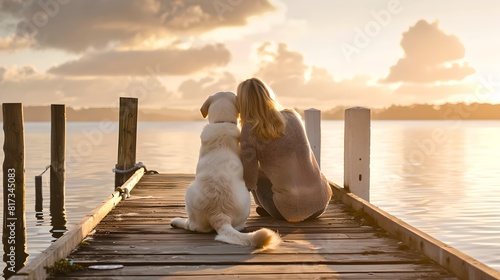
(299, 187)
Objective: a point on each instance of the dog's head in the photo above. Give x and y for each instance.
(220, 107)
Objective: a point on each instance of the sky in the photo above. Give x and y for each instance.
(313, 54)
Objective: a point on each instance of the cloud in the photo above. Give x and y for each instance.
(141, 63)
(80, 25)
(12, 43)
(198, 90)
(11, 6)
(303, 85)
(430, 56)
(42, 89)
(17, 73)
(278, 63)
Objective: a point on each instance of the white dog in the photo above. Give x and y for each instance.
(218, 198)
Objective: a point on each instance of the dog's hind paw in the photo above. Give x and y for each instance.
(177, 223)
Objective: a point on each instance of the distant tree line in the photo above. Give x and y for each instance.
(474, 111)
(448, 111)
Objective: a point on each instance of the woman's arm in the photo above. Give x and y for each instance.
(248, 155)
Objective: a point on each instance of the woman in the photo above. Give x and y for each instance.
(279, 166)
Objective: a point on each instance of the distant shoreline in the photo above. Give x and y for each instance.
(448, 111)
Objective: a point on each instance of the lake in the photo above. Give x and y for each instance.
(442, 177)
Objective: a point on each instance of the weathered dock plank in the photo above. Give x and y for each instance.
(137, 235)
(276, 271)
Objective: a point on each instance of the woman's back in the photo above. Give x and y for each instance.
(299, 188)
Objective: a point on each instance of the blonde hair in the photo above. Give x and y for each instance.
(258, 107)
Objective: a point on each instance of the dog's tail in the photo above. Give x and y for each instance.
(263, 238)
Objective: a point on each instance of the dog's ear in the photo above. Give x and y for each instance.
(205, 106)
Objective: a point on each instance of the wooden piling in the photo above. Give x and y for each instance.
(312, 119)
(357, 151)
(14, 185)
(127, 139)
(58, 170)
(57, 157)
(38, 194)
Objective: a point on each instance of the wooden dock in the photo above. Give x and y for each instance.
(137, 235)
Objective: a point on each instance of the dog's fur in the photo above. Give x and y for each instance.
(218, 198)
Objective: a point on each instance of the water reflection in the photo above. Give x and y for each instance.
(58, 222)
(427, 153)
(58, 217)
(39, 200)
(170, 146)
(451, 192)
(39, 219)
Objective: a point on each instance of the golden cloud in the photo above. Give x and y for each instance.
(430, 56)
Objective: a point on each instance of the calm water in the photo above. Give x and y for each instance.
(442, 177)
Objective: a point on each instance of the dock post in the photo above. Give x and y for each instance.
(312, 119)
(39, 200)
(57, 157)
(357, 152)
(58, 170)
(14, 185)
(127, 139)
(38, 194)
